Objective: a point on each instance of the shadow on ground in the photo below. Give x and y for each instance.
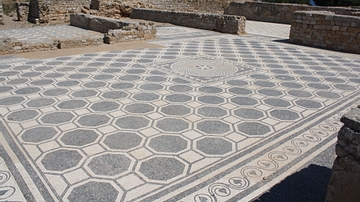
(309, 184)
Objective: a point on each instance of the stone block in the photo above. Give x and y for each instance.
(221, 23)
(345, 174)
(95, 4)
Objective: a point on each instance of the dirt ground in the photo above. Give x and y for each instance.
(12, 23)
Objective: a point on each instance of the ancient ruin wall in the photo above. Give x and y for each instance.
(345, 176)
(60, 10)
(279, 13)
(115, 30)
(326, 30)
(220, 23)
(1, 14)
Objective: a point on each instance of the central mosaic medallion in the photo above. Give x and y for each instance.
(205, 69)
(208, 68)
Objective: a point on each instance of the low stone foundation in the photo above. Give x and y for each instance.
(115, 30)
(8, 46)
(345, 176)
(279, 12)
(221, 23)
(326, 30)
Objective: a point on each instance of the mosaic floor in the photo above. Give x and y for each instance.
(47, 34)
(209, 117)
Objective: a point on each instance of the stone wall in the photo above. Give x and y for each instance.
(8, 45)
(1, 14)
(279, 12)
(326, 30)
(345, 177)
(221, 23)
(115, 8)
(115, 30)
(60, 10)
(51, 11)
(22, 11)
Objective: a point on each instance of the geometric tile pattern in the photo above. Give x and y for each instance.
(46, 33)
(138, 124)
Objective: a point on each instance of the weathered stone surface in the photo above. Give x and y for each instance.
(116, 30)
(345, 176)
(221, 23)
(95, 4)
(352, 119)
(1, 14)
(324, 29)
(280, 13)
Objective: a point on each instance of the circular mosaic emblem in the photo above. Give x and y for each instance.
(204, 68)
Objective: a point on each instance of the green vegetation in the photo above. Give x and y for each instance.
(337, 2)
(8, 7)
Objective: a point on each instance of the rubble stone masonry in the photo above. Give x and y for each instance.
(1, 14)
(326, 30)
(345, 176)
(115, 30)
(222, 23)
(279, 12)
